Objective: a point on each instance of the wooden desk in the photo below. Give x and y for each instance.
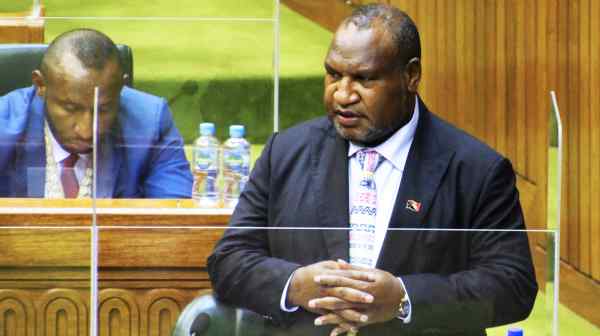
(152, 258)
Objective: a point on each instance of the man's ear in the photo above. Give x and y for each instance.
(37, 78)
(413, 74)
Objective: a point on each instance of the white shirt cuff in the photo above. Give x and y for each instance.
(407, 318)
(282, 304)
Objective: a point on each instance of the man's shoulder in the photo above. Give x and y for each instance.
(303, 132)
(140, 113)
(17, 100)
(14, 107)
(134, 99)
(297, 142)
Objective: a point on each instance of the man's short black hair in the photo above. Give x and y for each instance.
(398, 23)
(91, 47)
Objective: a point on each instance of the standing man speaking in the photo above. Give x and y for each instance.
(379, 161)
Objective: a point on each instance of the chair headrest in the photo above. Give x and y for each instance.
(17, 61)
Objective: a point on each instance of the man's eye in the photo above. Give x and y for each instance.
(334, 75)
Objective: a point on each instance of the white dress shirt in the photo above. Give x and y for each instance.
(388, 177)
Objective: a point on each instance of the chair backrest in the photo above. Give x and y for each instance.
(17, 61)
(206, 316)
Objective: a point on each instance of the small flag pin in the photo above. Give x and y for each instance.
(413, 205)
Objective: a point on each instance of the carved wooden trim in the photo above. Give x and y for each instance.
(160, 310)
(62, 312)
(118, 311)
(22, 318)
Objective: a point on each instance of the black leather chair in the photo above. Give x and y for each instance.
(17, 61)
(205, 316)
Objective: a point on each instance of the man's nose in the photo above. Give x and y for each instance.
(83, 126)
(345, 94)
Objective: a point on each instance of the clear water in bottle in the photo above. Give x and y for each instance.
(236, 165)
(205, 167)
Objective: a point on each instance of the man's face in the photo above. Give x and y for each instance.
(367, 95)
(68, 90)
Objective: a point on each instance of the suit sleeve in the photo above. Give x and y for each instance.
(499, 285)
(241, 269)
(168, 173)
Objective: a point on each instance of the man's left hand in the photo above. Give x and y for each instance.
(385, 288)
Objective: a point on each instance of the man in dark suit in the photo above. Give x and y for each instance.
(424, 174)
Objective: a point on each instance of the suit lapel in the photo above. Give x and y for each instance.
(109, 162)
(330, 165)
(425, 167)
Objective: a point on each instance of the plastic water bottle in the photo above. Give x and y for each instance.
(206, 167)
(514, 331)
(236, 165)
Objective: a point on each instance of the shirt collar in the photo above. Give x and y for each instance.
(396, 148)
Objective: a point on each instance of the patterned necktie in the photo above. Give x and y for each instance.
(364, 211)
(68, 178)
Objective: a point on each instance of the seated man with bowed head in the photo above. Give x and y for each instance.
(46, 130)
(380, 161)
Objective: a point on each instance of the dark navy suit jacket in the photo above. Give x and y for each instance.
(142, 156)
(458, 282)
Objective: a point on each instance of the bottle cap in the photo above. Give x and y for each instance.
(236, 131)
(207, 129)
(514, 331)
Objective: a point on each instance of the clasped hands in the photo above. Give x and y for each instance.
(345, 295)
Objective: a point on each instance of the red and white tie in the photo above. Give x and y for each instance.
(363, 211)
(68, 178)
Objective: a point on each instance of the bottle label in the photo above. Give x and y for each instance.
(205, 171)
(236, 159)
(206, 159)
(236, 164)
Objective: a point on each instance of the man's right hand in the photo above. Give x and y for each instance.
(303, 287)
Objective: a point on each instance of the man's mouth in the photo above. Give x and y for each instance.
(80, 146)
(347, 118)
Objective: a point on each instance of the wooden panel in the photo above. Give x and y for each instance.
(147, 275)
(327, 13)
(156, 247)
(62, 312)
(577, 291)
(562, 72)
(583, 141)
(572, 136)
(17, 28)
(499, 107)
(17, 314)
(594, 185)
(43, 247)
(480, 61)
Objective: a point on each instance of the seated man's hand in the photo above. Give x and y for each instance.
(342, 295)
